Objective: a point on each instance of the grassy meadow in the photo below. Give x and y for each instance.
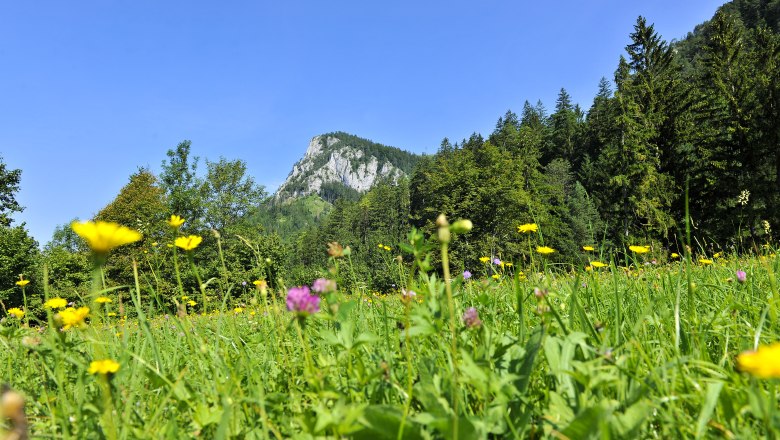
(633, 349)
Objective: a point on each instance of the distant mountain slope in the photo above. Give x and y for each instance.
(343, 165)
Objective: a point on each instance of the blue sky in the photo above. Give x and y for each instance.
(92, 90)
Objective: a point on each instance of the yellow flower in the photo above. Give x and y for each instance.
(175, 221)
(495, 276)
(104, 366)
(484, 259)
(763, 363)
(72, 317)
(507, 264)
(188, 243)
(185, 298)
(588, 248)
(718, 255)
(260, 283)
(22, 282)
(103, 300)
(588, 268)
(675, 255)
(380, 246)
(238, 310)
(705, 261)
(16, 312)
(192, 303)
(55, 303)
(528, 227)
(111, 314)
(544, 250)
(640, 249)
(598, 264)
(104, 236)
(387, 248)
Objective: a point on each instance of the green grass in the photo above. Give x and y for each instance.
(614, 353)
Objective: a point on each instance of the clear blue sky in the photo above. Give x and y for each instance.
(92, 90)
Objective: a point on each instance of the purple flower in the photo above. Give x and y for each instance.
(408, 295)
(323, 285)
(741, 276)
(243, 283)
(301, 302)
(466, 274)
(496, 261)
(471, 318)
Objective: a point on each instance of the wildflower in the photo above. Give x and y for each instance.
(462, 226)
(718, 255)
(188, 243)
(104, 366)
(763, 363)
(72, 317)
(675, 255)
(495, 276)
(175, 221)
(471, 318)
(540, 293)
(588, 248)
(408, 295)
(110, 314)
(744, 197)
(335, 250)
(544, 250)
(387, 248)
(16, 312)
(55, 303)
(103, 300)
(323, 285)
(598, 264)
(22, 282)
(192, 303)
(302, 302)
(103, 236)
(528, 227)
(238, 310)
(496, 261)
(466, 274)
(705, 261)
(639, 249)
(185, 298)
(380, 246)
(588, 268)
(741, 276)
(509, 264)
(484, 259)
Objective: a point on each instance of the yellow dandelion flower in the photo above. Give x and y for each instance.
(675, 255)
(185, 298)
(192, 303)
(588, 248)
(72, 317)
(103, 300)
(528, 227)
(380, 245)
(705, 261)
(238, 310)
(55, 303)
(484, 259)
(188, 243)
(544, 250)
(495, 276)
(763, 363)
(104, 366)
(588, 268)
(104, 236)
(22, 282)
(598, 264)
(387, 248)
(111, 314)
(175, 221)
(16, 312)
(718, 255)
(260, 283)
(639, 249)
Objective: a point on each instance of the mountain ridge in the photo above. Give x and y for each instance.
(340, 164)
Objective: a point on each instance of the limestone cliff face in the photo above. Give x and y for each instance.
(335, 159)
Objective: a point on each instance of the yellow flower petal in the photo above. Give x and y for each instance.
(188, 243)
(103, 236)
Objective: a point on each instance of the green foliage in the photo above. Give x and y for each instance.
(9, 186)
(228, 193)
(19, 255)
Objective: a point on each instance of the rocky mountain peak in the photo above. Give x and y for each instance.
(339, 162)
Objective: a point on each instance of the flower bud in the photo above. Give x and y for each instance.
(461, 226)
(441, 221)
